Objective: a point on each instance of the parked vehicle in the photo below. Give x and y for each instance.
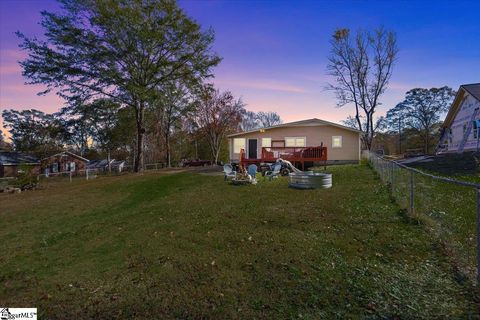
(196, 163)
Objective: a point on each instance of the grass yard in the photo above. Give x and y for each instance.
(451, 207)
(188, 245)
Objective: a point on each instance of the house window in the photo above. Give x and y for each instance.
(55, 167)
(336, 141)
(72, 166)
(295, 141)
(238, 144)
(266, 142)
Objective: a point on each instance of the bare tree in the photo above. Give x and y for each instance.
(173, 104)
(351, 122)
(252, 120)
(249, 121)
(269, 119)
(217, 114)
(362, 66)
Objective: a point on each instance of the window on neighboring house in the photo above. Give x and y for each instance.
(238, 144)
(55, 167)
(266, 142)
(295, 141)
(72, 166)
(336, 141)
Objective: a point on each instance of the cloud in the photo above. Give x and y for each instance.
(11, 54)
(263, 85)
(10, 69)
(10, 89)
(400, 86)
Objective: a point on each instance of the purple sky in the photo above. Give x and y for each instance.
(275, 52)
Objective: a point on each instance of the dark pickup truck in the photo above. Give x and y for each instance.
(197, 163)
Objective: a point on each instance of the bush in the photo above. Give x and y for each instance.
(25, 178)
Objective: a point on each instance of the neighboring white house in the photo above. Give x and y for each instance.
(460, 130)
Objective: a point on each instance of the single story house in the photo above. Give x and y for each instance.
(460, 130)
(342, 143)
(11, 163)
(64, 162)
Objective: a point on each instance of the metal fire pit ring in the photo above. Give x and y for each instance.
(310, 180)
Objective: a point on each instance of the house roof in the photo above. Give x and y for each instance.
(301, 123)
(68, 153)
(16, 158)
(103, 163)
(473, 89)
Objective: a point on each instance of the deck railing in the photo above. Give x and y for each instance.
(295, 153)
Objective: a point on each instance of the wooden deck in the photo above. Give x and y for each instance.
(296, 155)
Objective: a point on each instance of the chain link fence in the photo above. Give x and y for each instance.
(88, 174)
(448, 207)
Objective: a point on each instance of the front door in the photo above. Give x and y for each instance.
(252, 148)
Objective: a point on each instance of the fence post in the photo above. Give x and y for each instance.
(86, 173)
(412, 193)
(70, 176)
(478, 236)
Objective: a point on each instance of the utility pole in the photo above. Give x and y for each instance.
(400, 134)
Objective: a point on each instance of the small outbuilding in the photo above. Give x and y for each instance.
(12, 163)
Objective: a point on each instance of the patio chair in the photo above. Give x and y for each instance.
(252, 172)
(229, 173)
(273, 174)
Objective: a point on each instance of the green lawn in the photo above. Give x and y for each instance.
(188, 245)
(451, 208)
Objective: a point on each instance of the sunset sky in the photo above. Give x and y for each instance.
(275, 52)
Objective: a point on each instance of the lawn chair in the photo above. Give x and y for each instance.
(252, 173)
(273, 174)
(229, 173)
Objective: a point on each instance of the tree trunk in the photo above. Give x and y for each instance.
(140, 136)
(426, 142)
(109, 160)
(216, 156)
(167, 147)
